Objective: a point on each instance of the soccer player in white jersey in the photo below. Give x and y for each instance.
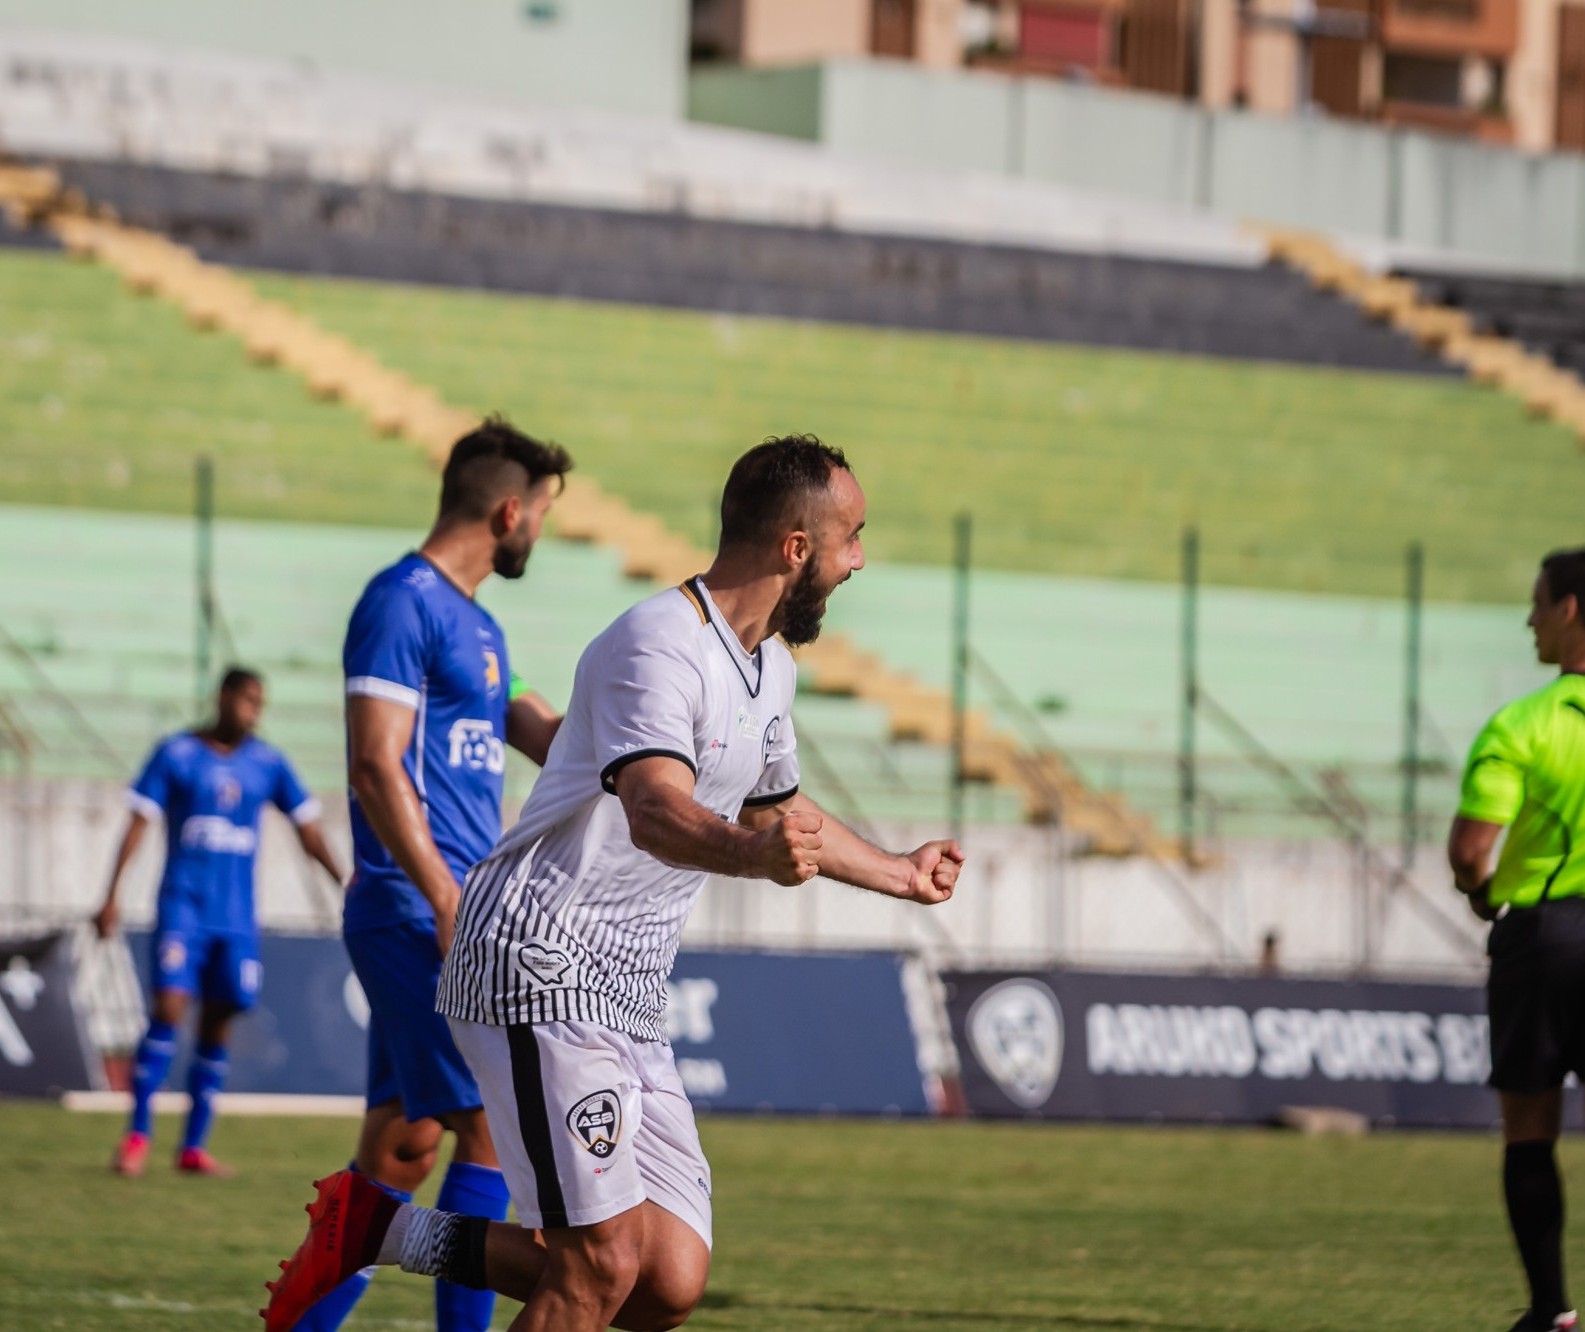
(677, 760)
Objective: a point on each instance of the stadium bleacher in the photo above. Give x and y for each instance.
(1110, 299)
(107, 616)
(1239, 442)
(1544, 315)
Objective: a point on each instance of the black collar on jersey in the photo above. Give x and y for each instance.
(694, 590)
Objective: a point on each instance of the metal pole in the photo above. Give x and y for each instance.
(963, 535)
(1188, 793)
(1411, 703)
(204, 514)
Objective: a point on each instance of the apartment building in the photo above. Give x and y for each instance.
(1507, 71)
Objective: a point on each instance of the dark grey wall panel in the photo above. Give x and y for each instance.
(309, 226)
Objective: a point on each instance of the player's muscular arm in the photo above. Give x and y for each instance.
(312, 839)
(378, 733)
(109, 915)
(665, 820)
(1469, 851)
(928, 874)
(531, 724)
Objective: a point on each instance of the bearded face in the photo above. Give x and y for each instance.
(512, 551)
(804, 606)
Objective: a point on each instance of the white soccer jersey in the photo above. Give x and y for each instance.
(567, 920)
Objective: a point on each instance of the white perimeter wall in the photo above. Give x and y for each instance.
(621, 55)
(1021, 900)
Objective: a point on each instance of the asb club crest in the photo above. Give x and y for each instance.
(596, 1122)
(1015, 1031)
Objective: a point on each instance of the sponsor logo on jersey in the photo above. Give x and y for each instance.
(475, 745)
(1015, 1029)
(210, 832)
(172, 954)
(548, 966)
(492, 673)
(596, 1122)
(747, 723)
(228, 792)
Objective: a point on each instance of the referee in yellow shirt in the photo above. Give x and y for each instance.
(1526, 773)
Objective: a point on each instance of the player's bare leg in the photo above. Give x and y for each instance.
(1533, 1190)
(169, 1006)
(673, 1266)
(474, 1144)
(397, 1153)
(645, 1269)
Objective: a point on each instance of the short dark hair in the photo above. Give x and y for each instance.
(237, 676)
(1565, 575)
(772, 484)
(477, 471)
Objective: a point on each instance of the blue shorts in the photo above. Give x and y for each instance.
(412, 1057)
(218, 968)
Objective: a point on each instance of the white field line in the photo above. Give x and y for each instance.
(152, 1303)
(230, 1103)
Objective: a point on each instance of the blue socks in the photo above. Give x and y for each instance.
(331, 1312)
(153, 1062)
(205, 1076)
(470, 1190)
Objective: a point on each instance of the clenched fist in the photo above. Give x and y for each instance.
(936, 868)
(788, 851)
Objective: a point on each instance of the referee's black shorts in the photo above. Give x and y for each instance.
(1536, 996)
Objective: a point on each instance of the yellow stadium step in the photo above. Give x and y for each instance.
(1545, 389)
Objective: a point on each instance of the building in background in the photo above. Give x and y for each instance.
(1505, 71)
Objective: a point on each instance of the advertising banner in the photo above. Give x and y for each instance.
(44, 1048)
(803, 1033)
(750, 1031)
(1114, 1046)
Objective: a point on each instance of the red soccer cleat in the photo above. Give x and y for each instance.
(346, 1224)
(196, 1161)
(132, 1152)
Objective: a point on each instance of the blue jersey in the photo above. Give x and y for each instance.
(212, 803)
(418, 640)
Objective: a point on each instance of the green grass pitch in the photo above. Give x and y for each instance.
(837, 1226)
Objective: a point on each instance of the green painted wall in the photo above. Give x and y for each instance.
(772, 101)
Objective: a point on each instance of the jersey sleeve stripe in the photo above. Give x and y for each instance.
(609, 772)
(139, 803)
(698, 602)
(775, 798)
(371, 686)
(306, 812)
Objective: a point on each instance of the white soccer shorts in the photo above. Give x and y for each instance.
(588, 1122)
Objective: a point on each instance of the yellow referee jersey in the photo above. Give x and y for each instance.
(1526, 771)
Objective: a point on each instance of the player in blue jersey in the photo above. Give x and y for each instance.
(211, 787)
(431, 706)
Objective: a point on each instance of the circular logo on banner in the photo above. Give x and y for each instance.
(1015, 1031)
